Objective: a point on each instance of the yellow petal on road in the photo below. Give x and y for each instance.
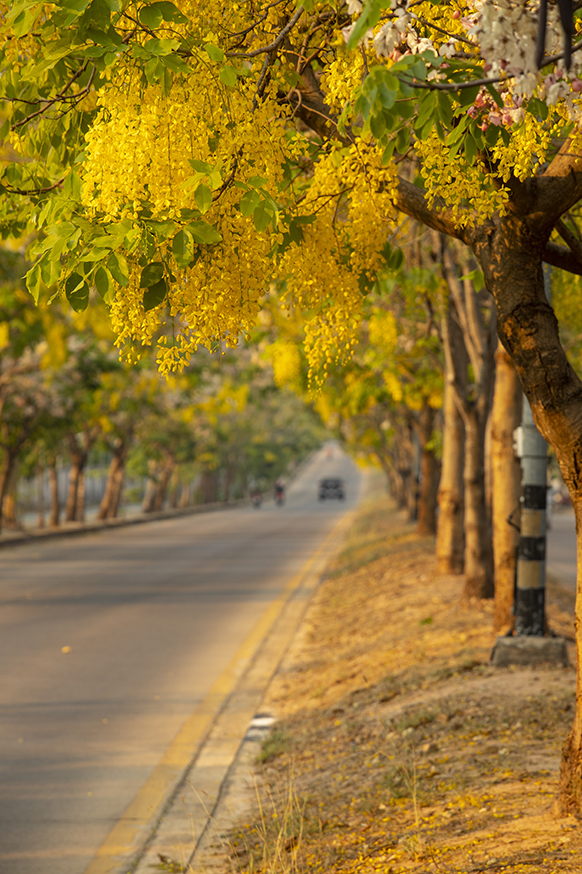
(66, 649)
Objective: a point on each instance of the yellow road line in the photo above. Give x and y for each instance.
(142, 814)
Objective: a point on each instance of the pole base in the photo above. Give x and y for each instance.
(527, 651)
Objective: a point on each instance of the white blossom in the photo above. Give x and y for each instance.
(354, 6)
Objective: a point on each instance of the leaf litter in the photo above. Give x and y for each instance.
(398, 747)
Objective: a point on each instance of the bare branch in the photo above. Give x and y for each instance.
(276, 42)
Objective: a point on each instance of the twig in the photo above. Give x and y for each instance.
(36, 190)
(275, 44)
(61, 97)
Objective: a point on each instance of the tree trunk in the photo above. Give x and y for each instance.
(429, 472)
(164, 481)
(151, 488)
(185, 494)
(40, 497)
(10, 493)
(78, 462)
(80, 508)
(208, 486)
(506, 478)
(109, 506)
(478, 547)
(5, 471)
(55, 511)
(174, 488)
(450, 541)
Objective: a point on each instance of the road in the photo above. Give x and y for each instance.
(151, 614)
(562, 547)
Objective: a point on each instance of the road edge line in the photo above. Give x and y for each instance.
(131, 833)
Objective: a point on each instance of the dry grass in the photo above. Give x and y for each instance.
(398, 748)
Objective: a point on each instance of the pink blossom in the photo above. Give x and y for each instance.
(576, 85)
(495, 118)
(473, 111)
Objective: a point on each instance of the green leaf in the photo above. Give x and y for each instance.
(257, 181)
(214, 53)
(151, 16)
(228, 76)
(171, 12)
(470, 148)
(396, 260)
(249, 202)
(403, 140)
(151, 275)
(377, 125)
(263, 215)
(203, 198)
(155, 295)
(162, 46)
(104, 284)
(495, 95)
(388, 152)
(77, 292)
(33, 282)
(162, 229)
(117, 266)
(183, 247)
(204, 233)
(369, 17)
(175, 64)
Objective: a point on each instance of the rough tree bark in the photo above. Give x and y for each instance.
(506, 475)
(511, 249)
(79, 448)
(429, 472)
(468, 340)
(55, 510)
(109, 506)
(450, 539)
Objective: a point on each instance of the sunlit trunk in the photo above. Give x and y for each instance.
(109, 506)
(450, 540)
(73, 489)
(40, 497)
(506, 480)
(5, 471)
(55, 510)
(163, 484)
(429, 473)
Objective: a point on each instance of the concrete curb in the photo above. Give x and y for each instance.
(72, 529)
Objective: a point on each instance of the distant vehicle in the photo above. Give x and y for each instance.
(279, 493)
(331, 488)
(257, 499)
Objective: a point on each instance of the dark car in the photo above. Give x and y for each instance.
(331, 488)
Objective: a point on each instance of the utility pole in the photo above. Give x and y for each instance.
(528, 646)
(532, 450)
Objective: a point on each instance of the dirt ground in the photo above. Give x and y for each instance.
(398, 747)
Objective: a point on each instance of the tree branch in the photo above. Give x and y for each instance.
(558, 189)
(562, 257)
(411, 200)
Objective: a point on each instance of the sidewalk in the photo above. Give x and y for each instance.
(397, 747)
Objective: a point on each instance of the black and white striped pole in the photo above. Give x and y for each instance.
(532, 450)
(531, 644)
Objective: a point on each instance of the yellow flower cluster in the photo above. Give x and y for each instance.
(286, 362)
(526, 150)
(464, 188)
(341, 77)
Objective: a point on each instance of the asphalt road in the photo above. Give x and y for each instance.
(561, 556)
(152, 615)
